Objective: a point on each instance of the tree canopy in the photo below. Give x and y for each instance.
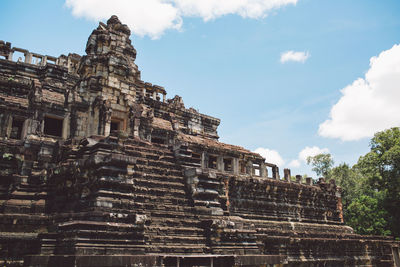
(370, 188)
(321, 163)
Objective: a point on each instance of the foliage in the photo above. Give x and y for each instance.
(371, 188)
(321, 163)
(350, 180)
(8, 156)
(381, 167)
(366, 215)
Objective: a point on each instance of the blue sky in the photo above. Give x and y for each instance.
(225, 61)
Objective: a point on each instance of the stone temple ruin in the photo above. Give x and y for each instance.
(99, 168)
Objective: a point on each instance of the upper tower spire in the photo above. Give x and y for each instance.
(109, 45)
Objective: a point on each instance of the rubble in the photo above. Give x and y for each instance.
(99, 168)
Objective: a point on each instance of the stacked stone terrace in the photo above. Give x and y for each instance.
(99, 168)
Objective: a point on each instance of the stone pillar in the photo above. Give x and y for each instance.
(204, 160)
(298, 179)
(28, 58)
(136, 127)
(93, 123)
(25, 126)
(8, 124)
(249, 168)
(263, 170)
(275, 172)
(65, 127)
(220, 163)
(44, 61)
(155, 95)
(286, 174)
(235, 165)
(10, 55)
(164, 98)
(107, 128)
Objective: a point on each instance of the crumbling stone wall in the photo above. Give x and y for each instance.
(99, 168)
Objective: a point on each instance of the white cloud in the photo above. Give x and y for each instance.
(212, 9)
(294, 163)
(271, 156)
(294, 56)
(311, 152)
(369, 104)
(149, 17)
(153, 17)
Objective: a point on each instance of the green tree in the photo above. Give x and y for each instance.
(371, 188)
(321, 163)
(366, 215)
(350, 180)
(381, 167)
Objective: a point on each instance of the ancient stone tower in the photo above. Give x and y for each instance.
(99, 168)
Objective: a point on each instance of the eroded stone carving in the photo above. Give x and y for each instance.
(98, 167)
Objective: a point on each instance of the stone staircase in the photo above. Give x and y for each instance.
(132, 185)
(161, 194)
(22, 207)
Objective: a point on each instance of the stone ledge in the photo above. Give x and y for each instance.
(151, 260)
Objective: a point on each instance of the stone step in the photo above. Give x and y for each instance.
(150, 206)
(178, 179)
(151, 150)
(27, 195)
(177, 249)
(162, 192)
(156, 170)
(149, 182)
(142, 202)
(157, 163)
(176, 239)
(174, 230)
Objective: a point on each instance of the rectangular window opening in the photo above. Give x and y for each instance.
(114, 126)
(16, 128)
(18, 56)
(256, 170)
(212, 162)
(53, 126)
(36, 60)
(228, 165)
(51, 60)
(242, 166)
(269, 171)
(196, 156)
(117, 124)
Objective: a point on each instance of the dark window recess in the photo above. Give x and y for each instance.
(16, 128)
(53, 126)
(242, 166)
(114, 126)
(158, 140)
(196, 156)
(212, 162)
(228, 165)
